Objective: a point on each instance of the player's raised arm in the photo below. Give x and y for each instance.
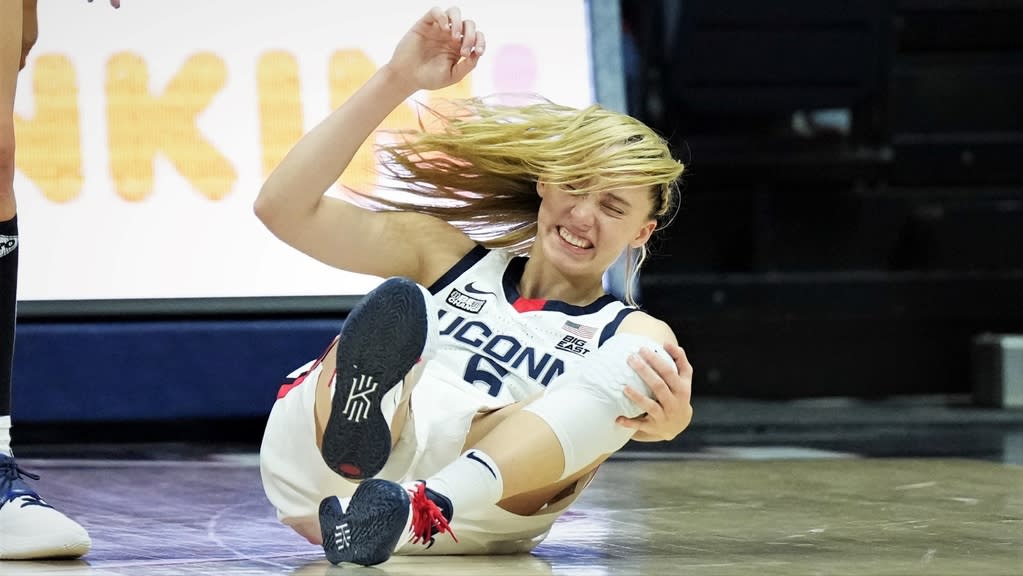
(439, 50)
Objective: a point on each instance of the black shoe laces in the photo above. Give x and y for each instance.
(13, 487)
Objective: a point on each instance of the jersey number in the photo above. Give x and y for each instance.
(483, 370)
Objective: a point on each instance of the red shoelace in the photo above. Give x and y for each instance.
(426, 517)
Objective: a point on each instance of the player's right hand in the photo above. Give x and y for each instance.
(439, 50)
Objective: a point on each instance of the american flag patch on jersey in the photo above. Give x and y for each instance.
(578, 329)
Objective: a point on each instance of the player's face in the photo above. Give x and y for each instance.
(583, 233)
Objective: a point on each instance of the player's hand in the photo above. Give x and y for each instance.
(669, 412)
(439, 50)
(114, 3)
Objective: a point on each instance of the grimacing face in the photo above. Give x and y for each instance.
(582, 234)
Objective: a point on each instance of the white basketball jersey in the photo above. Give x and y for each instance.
(504, 345)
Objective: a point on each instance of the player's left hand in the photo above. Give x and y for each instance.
(669, 412)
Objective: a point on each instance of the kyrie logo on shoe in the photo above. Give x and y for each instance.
(343, 535)
(7, 245)
(358, 403)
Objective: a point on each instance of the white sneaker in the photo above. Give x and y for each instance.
(29, 527)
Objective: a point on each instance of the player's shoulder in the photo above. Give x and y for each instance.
(642, 323)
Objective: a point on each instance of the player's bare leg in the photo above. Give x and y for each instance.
(29, 527)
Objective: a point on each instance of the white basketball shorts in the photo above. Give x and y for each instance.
(295, 477)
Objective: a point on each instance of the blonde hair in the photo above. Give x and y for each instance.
(479, 170)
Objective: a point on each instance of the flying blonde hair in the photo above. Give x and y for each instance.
(479, 170)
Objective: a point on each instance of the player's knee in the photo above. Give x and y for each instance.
(6, 160)
(6, 145)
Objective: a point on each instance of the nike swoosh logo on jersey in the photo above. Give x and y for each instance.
(473, 290)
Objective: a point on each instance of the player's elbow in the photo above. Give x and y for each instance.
(263, 209)
(270, 210)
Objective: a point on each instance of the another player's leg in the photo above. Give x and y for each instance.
(383, 338)
(29, 527)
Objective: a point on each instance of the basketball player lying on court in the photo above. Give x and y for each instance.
(476, 391)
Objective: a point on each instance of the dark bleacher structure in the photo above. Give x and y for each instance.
(853, 213)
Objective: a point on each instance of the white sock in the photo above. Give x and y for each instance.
(5, 435)
(471, 480)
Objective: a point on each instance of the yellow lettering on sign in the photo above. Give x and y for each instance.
(140, 124)
(349, 70)
(280, 106)
(49, 145)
